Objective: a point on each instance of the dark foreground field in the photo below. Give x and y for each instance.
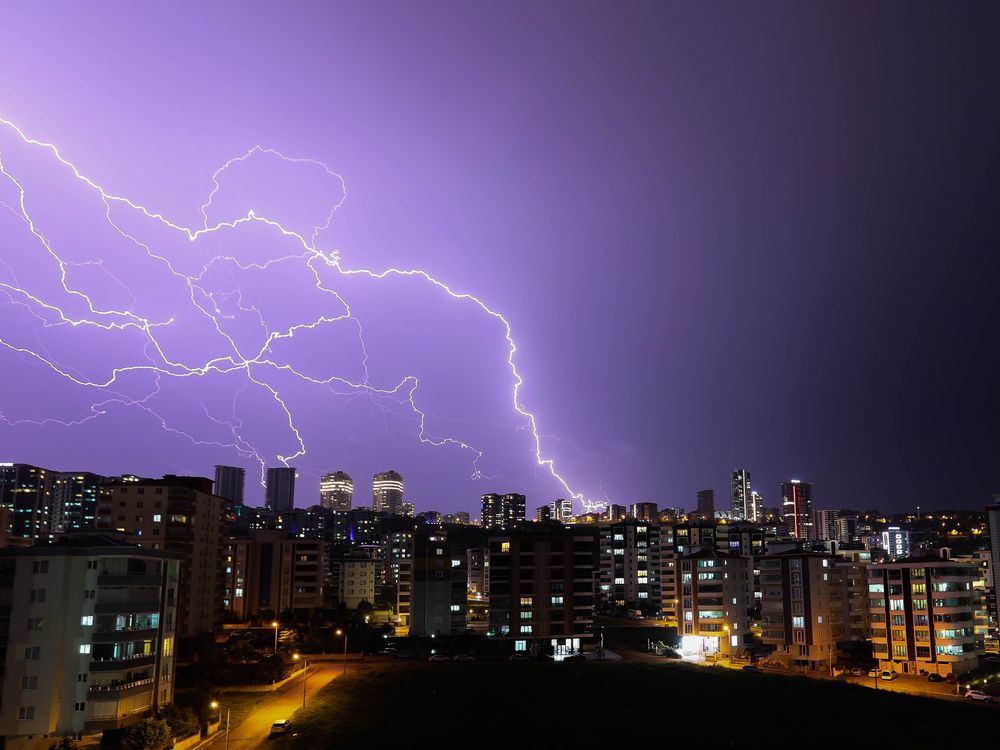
(614, 705)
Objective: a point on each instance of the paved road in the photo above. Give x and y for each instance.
(253, 732)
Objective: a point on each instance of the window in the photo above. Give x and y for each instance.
(91, 564)
(557, 601)
(896, 605)
(619, 582)
(35, 623)
(899, 651)
(85, 648)
(526, 614)
(31, 653)
(40, 566)
(157, 518)
(29, 683)
(38, 595)
(26, 712)
(526, 601)
(798, 622)
(456, 608)
(898, 620)
(520, 645)
(81, 706)
(87, 620)
(526, 630)
(81, 677)
(505, 546)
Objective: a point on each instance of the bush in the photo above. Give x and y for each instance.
(148, 734)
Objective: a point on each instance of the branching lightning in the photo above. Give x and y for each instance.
(256, 364)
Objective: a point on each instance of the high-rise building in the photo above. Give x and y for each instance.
(279, 492)
(269, 571)
(88, 636)
(26, 491)
(896, 542)
(229, 483)
(561, 510)
(796, 509)
(502, 511)
(706, 504)
(756, 507)
(825, 523)
(408, 510)
(616, 512)
(740, 505)
(387, 493)
(74, 500)
(182, 515)
(336, 491)
(847, 528)
(644, 511)
(543, 513)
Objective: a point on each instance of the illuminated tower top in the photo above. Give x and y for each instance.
(387, 492)
(740, 509)
(336, 491)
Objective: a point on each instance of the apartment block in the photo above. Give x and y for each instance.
(923, 615)
(267, 571)
(715, 600)
(87, 634)
(439, 584)
(630, 566)
(177, 514)
(541, 581)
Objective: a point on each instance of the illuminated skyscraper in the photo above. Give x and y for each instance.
(755, 511)
(74, 500)
(502, 511)
(561, 510)
(387, 493)
(336, 491)
(279, 494)
(740, 495)
(796, 509)
(229, 483)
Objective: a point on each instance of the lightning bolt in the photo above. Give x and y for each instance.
(254, 364)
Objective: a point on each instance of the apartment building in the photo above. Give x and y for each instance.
(922, 615)
(87, 631)
(177, 514)
(715, 599)
(631, 575)
(541, 582)
(268, 571)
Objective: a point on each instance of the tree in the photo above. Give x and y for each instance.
(66, 743)
(148, 734)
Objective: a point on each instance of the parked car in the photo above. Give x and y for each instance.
(888, 675)
(992, 660)
(519, 656)
(857, 672)
(388, 651)
(752, 668)
(977, 695)
(873, 673)
(463, 657)
(935, 677)
(281, 726)
(438, 657)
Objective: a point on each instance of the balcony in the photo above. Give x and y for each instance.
(127, 634)
(127, 662)
(126, 579)
(119, 691)
(130, 606)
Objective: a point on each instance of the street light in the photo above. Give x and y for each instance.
(229, 710)
(344, 633)
(275, 626)
(305, 677)
(729, 647)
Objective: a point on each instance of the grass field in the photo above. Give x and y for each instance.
(494, 703)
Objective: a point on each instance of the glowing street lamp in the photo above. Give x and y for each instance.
(229, 710)
(275, 626)
(305, 677)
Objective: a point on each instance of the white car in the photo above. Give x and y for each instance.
(977, 695)
(888, 676)
(439, 657)
(281, 726)
(463, 657)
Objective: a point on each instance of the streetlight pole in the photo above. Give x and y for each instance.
(275, 626)
(229, 712)
(305, 677)
(344, 633)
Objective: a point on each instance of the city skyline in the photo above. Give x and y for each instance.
(791, 250)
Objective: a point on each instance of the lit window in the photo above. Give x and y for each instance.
(526, 630)
(85, 648)
(87, 620)
(505, 546)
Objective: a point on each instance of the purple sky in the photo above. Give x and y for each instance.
(723, 234)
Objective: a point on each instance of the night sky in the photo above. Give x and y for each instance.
(762, 235)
